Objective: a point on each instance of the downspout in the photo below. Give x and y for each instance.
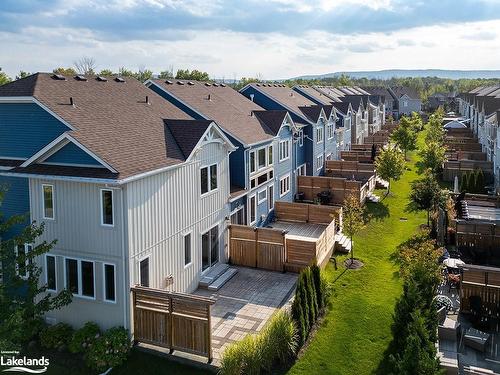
(125, 288)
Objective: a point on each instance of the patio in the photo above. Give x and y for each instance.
(245, 303)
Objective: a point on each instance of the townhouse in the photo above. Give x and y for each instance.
(315, 139)
(261, 166)
(133, 189)
(406, 100)
(390, 108)
(481, 109)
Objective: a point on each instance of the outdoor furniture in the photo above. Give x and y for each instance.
(447, 328)
(453, 263)
(476, 339)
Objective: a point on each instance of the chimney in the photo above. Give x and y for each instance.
(147, 100)
(209, 97)
(71, 101)
(251, 97)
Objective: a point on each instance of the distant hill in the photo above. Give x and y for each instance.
(403, 73)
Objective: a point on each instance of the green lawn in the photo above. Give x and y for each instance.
(356, 331)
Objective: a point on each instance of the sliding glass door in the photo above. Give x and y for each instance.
(209, 248)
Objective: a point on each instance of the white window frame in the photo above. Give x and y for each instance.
(329, 156)
(209, 175)
(301, 137)
(148, 257)
(270, 162)
(299, 173)
(47, 271)
(258, 169)
(259, 199)
(112, 207)
(104, 264)
(285, 155)
(26, 263)
(270, 198)
(284, 192)
(250, 209)
(186, 265)
(79, 274)
(319, 131)
(330, 130)
(53, 202)
(322, 162)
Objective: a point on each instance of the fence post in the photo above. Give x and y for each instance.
(256, 246)
(209, 334)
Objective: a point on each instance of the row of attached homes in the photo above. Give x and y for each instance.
(480, 107)
(139, 182)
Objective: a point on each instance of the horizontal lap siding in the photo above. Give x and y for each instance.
(164, 207)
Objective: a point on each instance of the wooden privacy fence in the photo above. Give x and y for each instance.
(377, 139)
(482, 239)
(462, 144)
(349, 166)
(465, 155)
(257, 247)
(482, 282)
(454, 168)
(172, 320)
(307, 213)
(339, 188)
(361, 156)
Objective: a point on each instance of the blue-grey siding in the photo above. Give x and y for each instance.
(16, 202)
(71, 154)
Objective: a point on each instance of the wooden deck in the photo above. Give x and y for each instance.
(307, 230)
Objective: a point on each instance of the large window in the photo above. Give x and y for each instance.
(210, 248)
(80, 277)
(284, 150)
(319, 134)
(109, 282)
(107, 207)
(319, 162)
(50, 272)
(208, 178)
(270, 199)
(301, 171)
(144, 272)
(261, 158)
(252, 209)
(284, 185)
(187, 249)
(48, 201)
(330, 130)
(22, 260)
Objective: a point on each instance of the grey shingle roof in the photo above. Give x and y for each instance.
(187, 133)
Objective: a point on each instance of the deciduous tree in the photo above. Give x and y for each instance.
(390, 164)
(353, 218)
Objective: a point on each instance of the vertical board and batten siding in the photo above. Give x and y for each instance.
(15, 202)
(164, 207)
(79, 234)
(281, 169)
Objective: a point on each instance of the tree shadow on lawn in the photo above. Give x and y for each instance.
(377, 211)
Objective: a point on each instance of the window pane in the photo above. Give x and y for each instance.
(252, 161)
(214, 244)
(48, 202)
(204, 180)
(87, 279)
(213, 177)
(51, 273)
(144, 272)
(271, 198)
(205, 251)
(107, 207)
(262, 158)
(72, 275)
(187, 249)
(109, 282)
(252, 209)
(270, 155)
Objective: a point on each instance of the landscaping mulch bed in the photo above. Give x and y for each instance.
(353, 264)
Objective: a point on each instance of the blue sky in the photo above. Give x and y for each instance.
(272, 39)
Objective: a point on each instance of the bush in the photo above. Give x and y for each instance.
(276, 342)
(109, 350)
(56, 336)
(84, 338)
(316, 276)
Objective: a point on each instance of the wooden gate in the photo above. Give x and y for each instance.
(173, 320)
(257, 247)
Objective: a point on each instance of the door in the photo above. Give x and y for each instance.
(209, 248)
(238, 217)
(144, 272)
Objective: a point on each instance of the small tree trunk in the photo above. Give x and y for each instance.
(352, 251)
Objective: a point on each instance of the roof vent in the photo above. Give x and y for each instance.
(251, 113)
(168, 82)
(275, 85)
(102, 79)
(71, 101)
(147, 100)
(223, 84)
(209, 97)
(59, 77)
(180, 82)
(258, 85)
(291, 94)
(208, 84)
(119, 79)
(80, 78)
(215, 84)
(190, 83)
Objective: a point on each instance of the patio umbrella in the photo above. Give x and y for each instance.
(453, 262)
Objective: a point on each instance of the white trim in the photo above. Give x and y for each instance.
(322, 161)
(53, 202)
(148, 257)
(321, 127)
(73, 165)
(209, 174)
(200, 142)
(250, 208)
(259, 200)
(46, 149)
(285, 192)
(287, 149)
(47, 272)
(104, 264)
(301, 137)
(12, 158)
(270, 197)
(112, 207)
(32, 99)
(79, 275)
(219, 233)
(190, 234)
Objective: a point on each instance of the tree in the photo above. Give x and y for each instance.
(22, 74)
(426, 194)
(166, 74)
(144, 74)
(4, 78)
(194, 75)
(86, 65)
(435, 130)
(390, 164)
(23, 302)
(106, 72)
(405, 136)
(353, 218)
(433, 156)
(65, 71)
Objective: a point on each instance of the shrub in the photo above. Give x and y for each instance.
(298, 317)
(84, 338)
(109, 350)
(316, 276)
(311, 292)
(56, 336)
(276, 342)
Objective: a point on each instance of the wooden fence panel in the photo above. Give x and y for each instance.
(173, 320)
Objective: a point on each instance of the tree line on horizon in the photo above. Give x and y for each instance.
(424, 86)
